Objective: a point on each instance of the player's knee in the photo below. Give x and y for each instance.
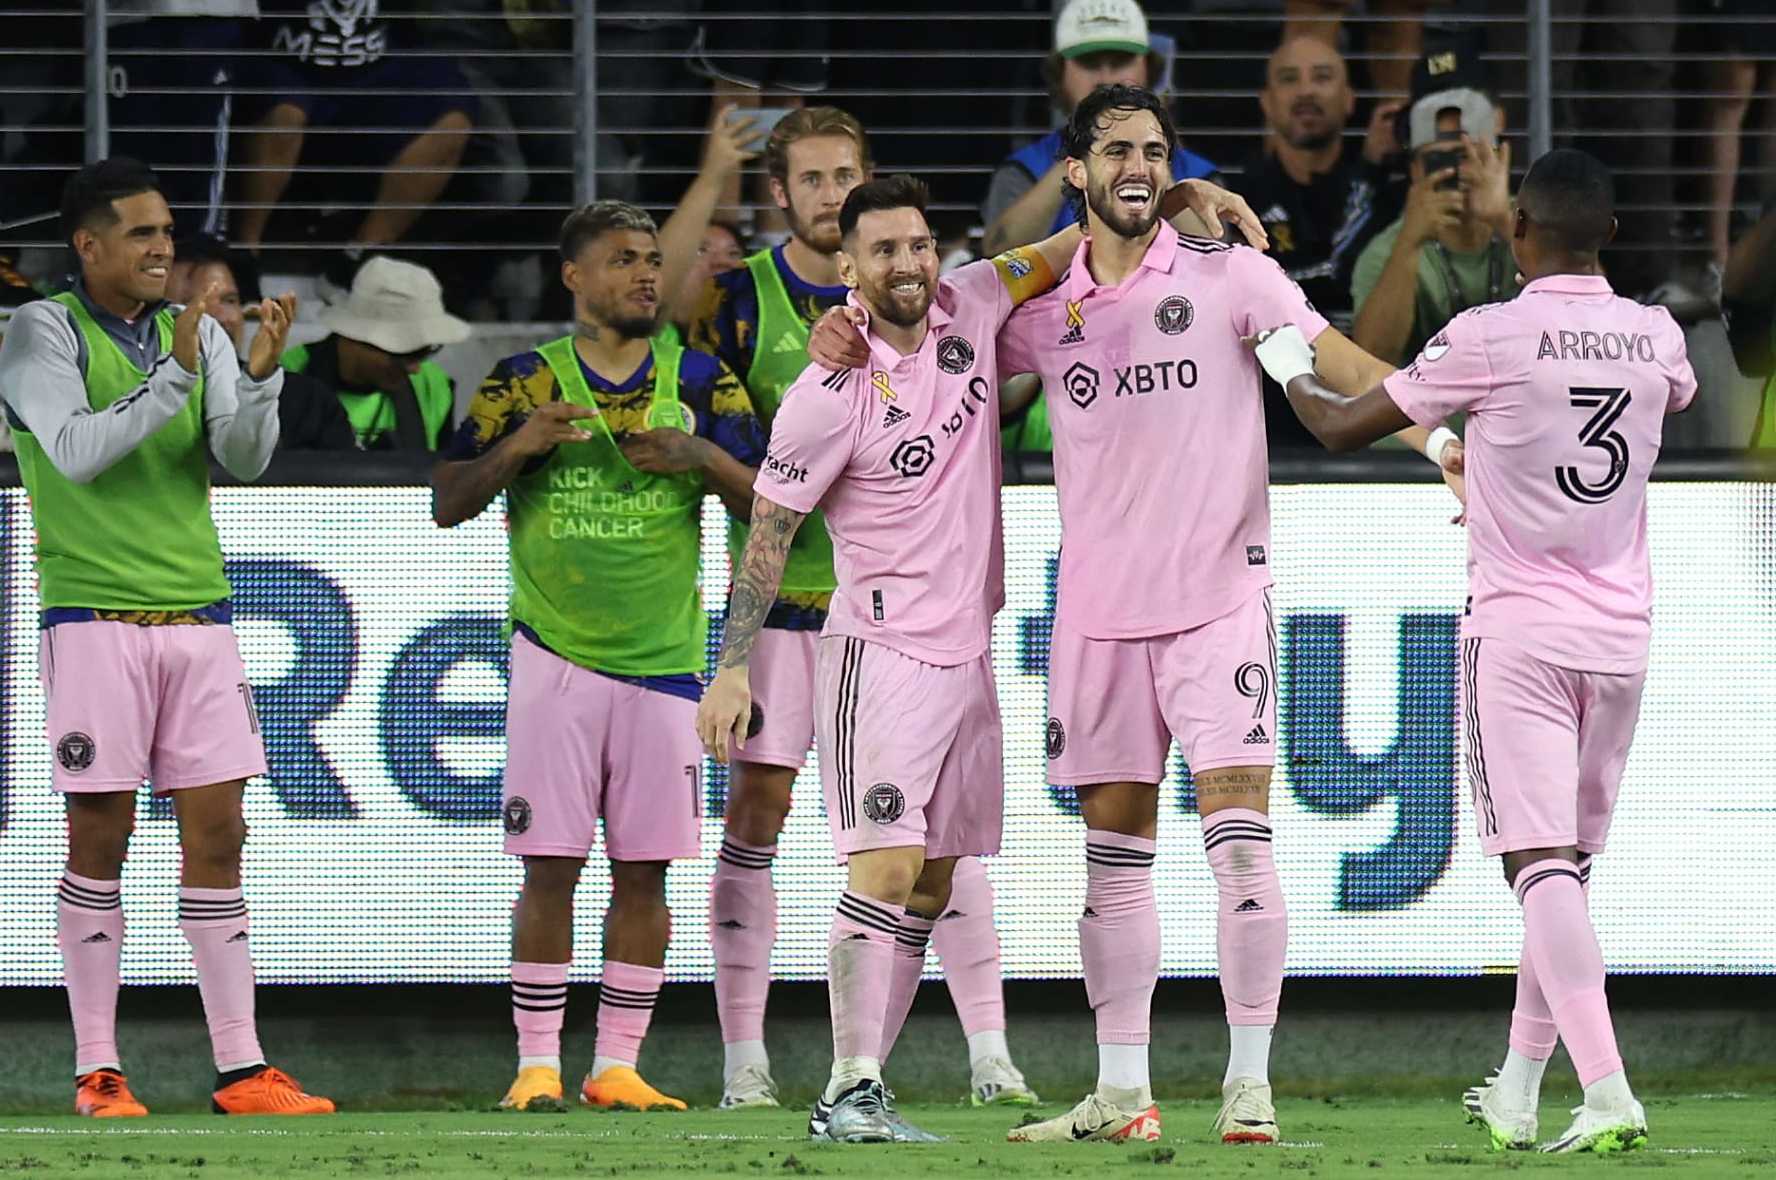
(551, 878)
(931, 892)
(1129, 809)
(886, 874)
(1515, 862)
(638, 884)
(214, 843)
(98, 843)
(759, 805)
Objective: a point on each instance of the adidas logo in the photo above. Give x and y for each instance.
(787, 343)
(1073, 335)
(1248, 906)
(895, 416)
(239, 936)
(99, 936)
(732, 924)
(1090, 913)
(1257, 737)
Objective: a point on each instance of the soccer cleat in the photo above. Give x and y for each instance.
(861, 1114)
(1603, 1131)
(1510, 1130)
(105, 1094)
(537, 1087)
(905, 1132)
(620, 1085)
(750, 1086)
(1247, 1113)
(997, 1082)
(270, 1091)
(1093, 1118)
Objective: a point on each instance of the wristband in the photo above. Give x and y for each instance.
(1440, 438)
(1285, 354)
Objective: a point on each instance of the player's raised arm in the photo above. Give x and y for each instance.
(725, 152)
(1341, 423)
(1344, 366)
(241, 402)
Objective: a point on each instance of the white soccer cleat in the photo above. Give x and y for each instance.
(997, 1082)
(1508, 1128)
(1096, 1119)
(1603, 1131)
(1247, 1113)
(751, 1086)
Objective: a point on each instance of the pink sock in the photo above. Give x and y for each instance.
(1119, 936)
(904, 974)
(89, 929)
(539, 1004)
(742, 929)
(1251, 921)
(859, 962)
(214, 922)
(626, 996)
(1532, 1023)
(1568, 964)
(968, 945)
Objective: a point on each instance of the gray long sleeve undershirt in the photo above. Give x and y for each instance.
(42, 388)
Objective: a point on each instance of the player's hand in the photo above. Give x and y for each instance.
(666, 451)
(1453, 463)
(551, 425)
(724, 712)
(726, 151)
(1486, 182)
(1381, 142)
(1216, 207)
(187, 329)
(834, 342)
(1429, 210)
(275, 318)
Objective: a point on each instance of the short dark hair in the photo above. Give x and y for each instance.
(1087, 123)
(1571, 194)
(87, 197)
(210, 250)
(588, 223)
(899, 191)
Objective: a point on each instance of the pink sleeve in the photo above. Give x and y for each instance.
(1451, 374)
(1014, 344)
(811, 439)
(980, 282)
(1677, 367)
(1263, 296)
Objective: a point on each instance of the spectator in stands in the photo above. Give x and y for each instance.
(1097, 42)
(1450, 250)
(198, 262)
(378, 358)
(720, 251)
(1748, 299)
(1745, 48)
(339, 70)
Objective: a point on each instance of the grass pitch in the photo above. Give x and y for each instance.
(1727, 1134)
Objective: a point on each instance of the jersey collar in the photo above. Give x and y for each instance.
(936, 319)
(1161, 253)
(1570, 285)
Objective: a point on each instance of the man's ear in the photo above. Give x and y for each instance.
(1519, 225)
(779, 194)
(847, 268)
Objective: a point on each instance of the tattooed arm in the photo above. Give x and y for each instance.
(726, 707)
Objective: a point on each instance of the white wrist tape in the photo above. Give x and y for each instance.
(1286, 355)
(1440, 438)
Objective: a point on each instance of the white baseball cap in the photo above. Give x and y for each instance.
(1092, 26)
(395, 306)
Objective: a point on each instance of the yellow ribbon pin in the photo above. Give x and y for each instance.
(879, 379)
(1075, 317)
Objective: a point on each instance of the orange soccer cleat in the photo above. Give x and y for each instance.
(622, 1086)
(105, 1094)
(270, 1091)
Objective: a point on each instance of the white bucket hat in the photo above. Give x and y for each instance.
(397, 307)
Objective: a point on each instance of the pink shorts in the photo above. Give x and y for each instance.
(580, 746)
(1545, 747)
(910, 753)
(782, 677)
(1115, 704)
(127, 703)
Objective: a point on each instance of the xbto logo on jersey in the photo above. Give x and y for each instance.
(955, 355)
(516, 815)
(1161, 377)
(76, 751)
(967, 407)
(1057, 738)
(884, 803)
(912, 456)
(1173, 315)
(1081, 383)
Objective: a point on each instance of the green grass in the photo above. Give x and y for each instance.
(1705, 1135)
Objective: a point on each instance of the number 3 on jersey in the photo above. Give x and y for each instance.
(1598, 433)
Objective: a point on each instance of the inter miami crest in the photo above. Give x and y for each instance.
(884, 803)
(1173, 315)
(76, 751)
(516, 815)
(1057, 738)
(955, 355)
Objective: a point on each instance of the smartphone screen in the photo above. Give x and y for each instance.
(759, 121)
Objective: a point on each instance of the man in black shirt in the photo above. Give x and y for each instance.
(1320, 200)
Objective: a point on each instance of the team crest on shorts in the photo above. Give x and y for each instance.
(76, 751)
(884, 803)
(516, 815)
(955, 355)
(1173, 315)
(1057, 738)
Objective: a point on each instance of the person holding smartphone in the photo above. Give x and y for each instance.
(1449, 250)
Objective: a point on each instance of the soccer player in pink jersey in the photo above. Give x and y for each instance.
(902, 455)
(1566, 389)
(1164, 627)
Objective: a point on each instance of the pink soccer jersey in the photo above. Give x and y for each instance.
(1566, 389)
(1158, 422)
(903, 457)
